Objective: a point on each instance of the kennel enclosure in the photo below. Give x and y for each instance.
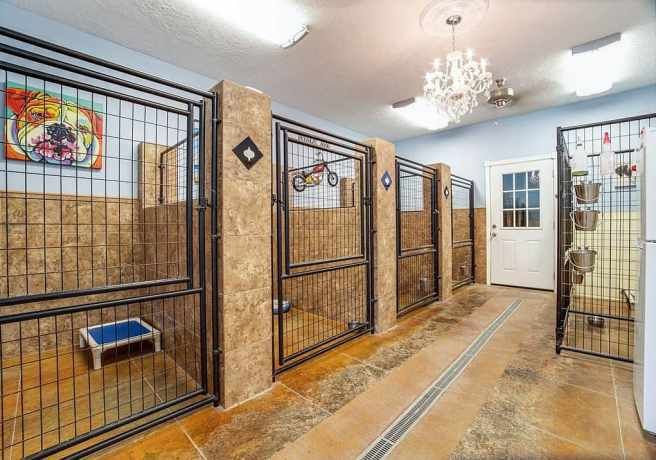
(322, 276)
(103, 215)
(598, 225)
(417, 240)
(462, 231)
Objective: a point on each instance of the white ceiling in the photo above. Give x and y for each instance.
(362, 55)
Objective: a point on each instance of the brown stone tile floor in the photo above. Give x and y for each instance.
(517, 399)
(49, 400)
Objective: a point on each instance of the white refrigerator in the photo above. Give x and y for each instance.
(644, 371)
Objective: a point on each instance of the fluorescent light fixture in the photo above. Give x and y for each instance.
(275, 21)
(420, 112)
(594, 65)
(298, 36)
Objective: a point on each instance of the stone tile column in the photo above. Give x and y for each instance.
(384, 210)
(480, 246)
(245, 245)
(445, 246)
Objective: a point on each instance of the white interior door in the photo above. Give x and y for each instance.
(521, 224)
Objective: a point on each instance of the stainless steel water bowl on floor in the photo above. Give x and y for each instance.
(286, 306)
(587, 192)
(582, 260)
(585, 219)
(596, 321)
(577, 277)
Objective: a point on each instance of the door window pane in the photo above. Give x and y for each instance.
(533, 199)
(507, 200)
(507, 182)
(508, 219)
(521, 199)
(533, 217)
(534, 179)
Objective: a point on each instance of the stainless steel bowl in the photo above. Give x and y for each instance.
(585, 219)
(596, 321)
(582, 260)
(286, 306)
(587, 192)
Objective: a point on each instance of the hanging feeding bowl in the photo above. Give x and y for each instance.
(585, 219)
(587, 192)
(582, 260)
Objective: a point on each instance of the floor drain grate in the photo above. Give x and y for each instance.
(384, 444)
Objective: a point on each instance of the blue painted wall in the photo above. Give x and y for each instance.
(467, 148)
(38, 26)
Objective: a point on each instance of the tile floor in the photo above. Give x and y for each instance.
(57, 397)
(517, 399)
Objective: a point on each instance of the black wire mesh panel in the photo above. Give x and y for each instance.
(595, 308)
(416, 240)
(462, 228)
(322, 280)
(101, 255)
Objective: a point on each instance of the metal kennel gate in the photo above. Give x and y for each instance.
(322, 279)
(417, 275)
(103, 311)
(462, 231)
(595, 301)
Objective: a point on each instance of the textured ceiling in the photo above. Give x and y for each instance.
(362, 55)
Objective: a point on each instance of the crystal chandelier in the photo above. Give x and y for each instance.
(454, 90)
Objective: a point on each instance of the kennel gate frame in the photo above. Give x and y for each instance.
(421, 171)
(325, 141)
(466, 184)
(205, 103)
(565, 233)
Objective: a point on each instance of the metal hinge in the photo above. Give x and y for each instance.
(275, 200)
(366, 200)
(202, 203)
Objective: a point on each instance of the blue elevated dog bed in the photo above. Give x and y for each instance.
(114, 334)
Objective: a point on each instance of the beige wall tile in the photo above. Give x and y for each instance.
(245, 247)
(384, 203)
(445, 243)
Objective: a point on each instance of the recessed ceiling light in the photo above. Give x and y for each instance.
(594, 64)
(276, 21)
(420, 112)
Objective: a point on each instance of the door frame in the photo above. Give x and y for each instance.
(488, 193)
